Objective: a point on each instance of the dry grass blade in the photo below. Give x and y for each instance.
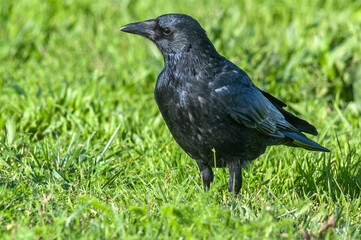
(330, 223)
(307, 235)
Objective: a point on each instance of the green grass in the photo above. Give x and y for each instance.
(68, 79)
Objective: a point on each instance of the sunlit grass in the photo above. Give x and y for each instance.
(69, 79)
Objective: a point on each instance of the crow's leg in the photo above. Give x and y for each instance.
(206, 175)
(234, 181)
(235, 177)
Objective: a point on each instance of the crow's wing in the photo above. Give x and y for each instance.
(252, 109)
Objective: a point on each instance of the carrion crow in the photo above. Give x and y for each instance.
(211, 106)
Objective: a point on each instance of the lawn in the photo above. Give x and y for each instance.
(85, 153)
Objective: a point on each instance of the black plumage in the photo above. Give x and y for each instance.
(211, 105)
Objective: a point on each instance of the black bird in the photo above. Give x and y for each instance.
(211, 106)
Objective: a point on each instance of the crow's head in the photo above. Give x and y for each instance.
(172, 33)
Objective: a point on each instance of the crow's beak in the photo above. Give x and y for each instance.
(145, 29)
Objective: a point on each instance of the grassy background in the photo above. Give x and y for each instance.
(69, 81)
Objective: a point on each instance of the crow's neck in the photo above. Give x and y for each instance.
(191, 61)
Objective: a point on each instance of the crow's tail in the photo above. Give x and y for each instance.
(300, 140)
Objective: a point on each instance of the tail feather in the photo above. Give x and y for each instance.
(300, 140)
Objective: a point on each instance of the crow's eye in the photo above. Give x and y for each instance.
(166, 31)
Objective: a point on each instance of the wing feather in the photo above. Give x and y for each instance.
(254, 110)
